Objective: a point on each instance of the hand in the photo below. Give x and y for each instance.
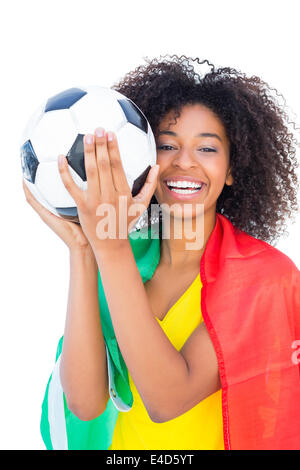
(98, 206)
(70, 232)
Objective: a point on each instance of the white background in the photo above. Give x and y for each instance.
(48, 46)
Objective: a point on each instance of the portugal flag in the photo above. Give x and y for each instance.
(250, 303)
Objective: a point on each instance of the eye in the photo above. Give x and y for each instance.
(164, 147)
(207, 149)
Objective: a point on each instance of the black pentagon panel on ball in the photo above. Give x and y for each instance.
(140, 181)
(65, 99)
(29, 161)
(75, 157)
(133, 114)
(69, 213)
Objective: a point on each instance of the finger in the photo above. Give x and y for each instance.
(91, 167)
(67, 179)
(28, 193)
(117, 170)
(35, 204)
(145, 194)
(30, 198)
(103, 162)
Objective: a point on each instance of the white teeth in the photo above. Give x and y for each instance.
(184, 184)
(184, 191)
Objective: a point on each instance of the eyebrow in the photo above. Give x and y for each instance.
(202, 134)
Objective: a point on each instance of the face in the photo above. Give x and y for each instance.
(193, 155)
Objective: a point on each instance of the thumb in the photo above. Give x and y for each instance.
(149, 186)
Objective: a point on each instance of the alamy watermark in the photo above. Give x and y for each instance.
(296, 354)
(186, 225)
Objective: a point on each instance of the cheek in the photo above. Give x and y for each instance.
(160, 160)
(217, 169)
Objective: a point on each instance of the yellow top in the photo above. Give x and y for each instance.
(199, 428)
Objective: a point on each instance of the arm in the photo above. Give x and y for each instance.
(83, 368)
(166, 381)
(170, 382)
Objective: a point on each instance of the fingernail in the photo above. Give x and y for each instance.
(110, 136)
(89, 139)
(60, 160)
(156, 169)
(99, 132)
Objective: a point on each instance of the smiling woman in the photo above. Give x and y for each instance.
(261, 138)
(197, 340)
(187, 156)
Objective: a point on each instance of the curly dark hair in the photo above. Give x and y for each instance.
(262, 145)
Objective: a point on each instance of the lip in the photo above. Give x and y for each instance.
(184, 197)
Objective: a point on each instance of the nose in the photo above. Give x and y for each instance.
(185, 159)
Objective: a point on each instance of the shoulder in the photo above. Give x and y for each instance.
(233, 254)
(272, 275)
(268, 258)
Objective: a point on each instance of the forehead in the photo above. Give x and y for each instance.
(194, 118)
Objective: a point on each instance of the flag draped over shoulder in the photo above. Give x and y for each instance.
(250, 302)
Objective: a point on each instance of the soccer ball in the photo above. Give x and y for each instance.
(58, 127)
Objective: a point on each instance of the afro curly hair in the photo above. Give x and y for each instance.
(263, 146)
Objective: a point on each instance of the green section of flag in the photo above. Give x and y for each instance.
(97, 434)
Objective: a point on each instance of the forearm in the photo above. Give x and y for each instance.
(83, 368)
(156, 367)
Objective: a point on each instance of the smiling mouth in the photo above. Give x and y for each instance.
(182, 189)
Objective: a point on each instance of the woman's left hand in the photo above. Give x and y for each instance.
(98, 206)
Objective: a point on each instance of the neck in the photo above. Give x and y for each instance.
(187, 251)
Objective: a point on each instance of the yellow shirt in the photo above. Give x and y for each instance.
(199, 428)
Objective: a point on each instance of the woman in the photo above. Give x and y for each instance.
(228, 382)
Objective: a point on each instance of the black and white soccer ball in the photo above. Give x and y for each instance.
(58, 127)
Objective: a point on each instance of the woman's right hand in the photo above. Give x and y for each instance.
(70, 232)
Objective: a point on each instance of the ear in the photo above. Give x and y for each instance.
(229, 178)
